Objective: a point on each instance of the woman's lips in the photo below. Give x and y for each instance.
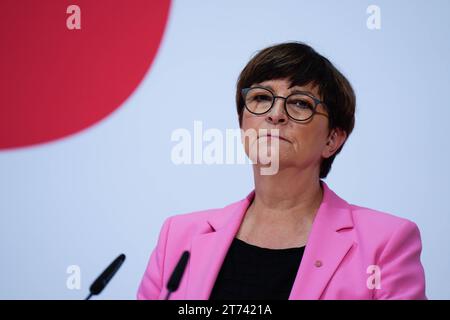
(274, 136)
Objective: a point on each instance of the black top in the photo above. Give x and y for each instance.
(251, 272)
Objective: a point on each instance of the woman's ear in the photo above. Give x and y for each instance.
(336, 139)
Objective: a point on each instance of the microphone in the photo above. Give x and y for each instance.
(100, 283)
(177, 274)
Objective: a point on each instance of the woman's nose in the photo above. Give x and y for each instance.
(277, 115)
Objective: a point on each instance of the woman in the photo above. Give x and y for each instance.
(292, 237)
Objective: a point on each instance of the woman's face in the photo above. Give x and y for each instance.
(300, 144)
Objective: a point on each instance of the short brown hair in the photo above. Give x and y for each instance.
(302, 65)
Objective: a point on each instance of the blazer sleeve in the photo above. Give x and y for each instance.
(401, 271)
(152, 281)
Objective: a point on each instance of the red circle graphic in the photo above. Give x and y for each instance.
(56, 81)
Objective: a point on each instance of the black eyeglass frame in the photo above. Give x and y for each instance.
(317, 101)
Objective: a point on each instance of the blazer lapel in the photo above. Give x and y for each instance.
(325, 248)
(208, 249)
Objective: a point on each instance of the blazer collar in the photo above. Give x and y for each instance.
(332, 206)
(325, 248)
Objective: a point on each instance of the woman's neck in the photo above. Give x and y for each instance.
(283, 209)
(291, 195)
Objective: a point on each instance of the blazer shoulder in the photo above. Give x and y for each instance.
(198, 220)
(383, 223)
(194, 217)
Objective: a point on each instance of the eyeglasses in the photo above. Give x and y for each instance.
(299, 106)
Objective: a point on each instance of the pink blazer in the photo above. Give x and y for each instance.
(352, 253)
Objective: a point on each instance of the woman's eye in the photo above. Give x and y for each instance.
(301, 104)
(261, 98)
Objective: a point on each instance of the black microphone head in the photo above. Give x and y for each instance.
(100, 283)
(177, 274)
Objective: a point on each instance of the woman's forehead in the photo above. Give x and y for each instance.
(279, 84)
